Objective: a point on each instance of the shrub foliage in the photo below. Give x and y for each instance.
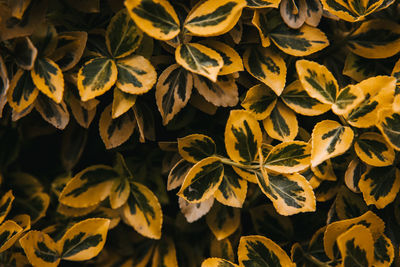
(188, 133)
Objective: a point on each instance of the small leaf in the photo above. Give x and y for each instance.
(259, 101)
(289, 157)
(380, 185)
(212, 18)
(143, 212)
(266, 66)
(212, 262)
(25, 53)
(202, 180)
(242, 136)
(22, 91)
(55, 114)
(373, 149)
(199, 59)
(173, 91)
(156, 18)
(324, 171)
(196, 147)
(223, 221)
(165, 253)
(347, 99)
(232, 190)
(353, 174)
(389, 125)
(96, 77)
(40, 249)
(262, 3)
(329, 139)
(194, 211)
(293, 13)
(222, 249)
(88, 187)
(136, 75)
(260, 20)
(122, 36)
(122, 103)
(260, 251)
(178, 173)
(5, 204)
(348, 204)
(84, 240)
(282, 123)
(119, 193)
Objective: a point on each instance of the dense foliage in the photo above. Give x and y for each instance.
(188, 133)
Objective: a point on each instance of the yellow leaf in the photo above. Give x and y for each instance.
(212, 262)
(282, 123)
(388, 124)
(324, 171)
(22, 92)
(233, 189)
(211, 18)
(223, 220)
(119, 193)
(374, 150)
(196, 147)
(222, 249)
(353, 174)
(165, 254)
(347, 99)
(260, 100)
(260, 21)
(329, 139)
(122, 102)
(5, 204)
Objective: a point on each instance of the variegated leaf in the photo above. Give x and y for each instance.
(223, 220)
(232, 60)
(119, 193)
(36, 206)
(4, 85)
(73, 143)
(223, 92)
(389, 125)
(347, 99)
(96, 77)
(122, 102)
(55, 114)
(211, 18)
(144, 117)
(25, 53)
(83, 112)
(123, 37)
(48, 78)
(353, 174)
(375, 224)
(74, 212)
(289, 157)
(383, 251)
(84, 240)
(260, 20)
(359, 68)
(299, 42)
(260, 101)
(248, 175)
(173, 91)
(282, 123)
(324, 171)
(222, 249)
(293, 13)
(199, 59)
(69, 51)
(313, 12)
(22, 91)
(396, 74)
(266, 66)
(202, 180)
(212, 262)
(45, 39)
(233, 189)
(5, 204)
(317, 80)
(178, 173)
(194, 211)
(378, 93)
(380, 185)
(297, 98)
(165, 253)
(157, 18)
(348, 204)
(262, 3)
(115, 132)
(260, 251)
(329, 139)
(143, 212)
(136, 75)
(386, 31)
(196, 147)
(351, 11)
(242, 136)
(356, 246)
(88, 187)
(40, 249)
(374, 150)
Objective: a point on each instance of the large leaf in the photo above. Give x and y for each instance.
(157, 18)
(356, 246)
(53, 113)
(329, 139)
(88, 187)
(22, 91)
(202, 180)
(173, 91)
(40, 249)
(260, 251)
(136, 75)
(289, 157)
(389, 125)
(196, 147)
(301, 42)
(115, 132)
(233, 189)
(242, 136)
(282, 123)
(84, 240)
(199, 59)
(383, 251)
(266, 66)
(297, 98)
(378, 93)
(223, 92)
(290, 193)
(385, 35)
(123, 36)
(259, 101)
(212, 18)
(373, 149)
(143, 212)
(96, 77)
(317, 80)
(223, 220)
(380, 185)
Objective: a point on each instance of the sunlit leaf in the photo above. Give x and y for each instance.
(373, 149)
(282, 123)
(233, 189)
(259, 101)
(196, 147)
